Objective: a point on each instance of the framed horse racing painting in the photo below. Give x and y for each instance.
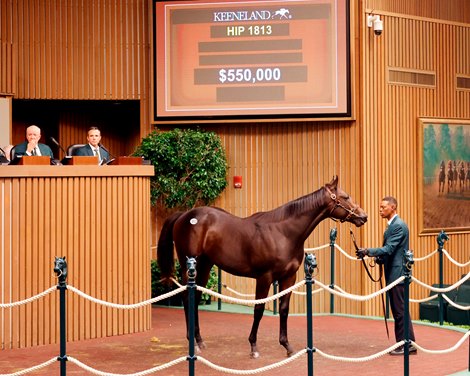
(444, 176)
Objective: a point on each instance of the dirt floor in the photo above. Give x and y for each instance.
(226, 337)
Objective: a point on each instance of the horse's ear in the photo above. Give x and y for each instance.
(334, 181)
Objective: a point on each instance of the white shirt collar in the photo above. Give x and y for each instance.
(391, 219)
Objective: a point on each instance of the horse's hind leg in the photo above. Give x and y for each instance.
(202, 276)
(197, 336)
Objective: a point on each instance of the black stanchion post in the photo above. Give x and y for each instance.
(275, 288)
(219, 288)
(333, 234)
(60, 268)
(408, 263)
(441, 238)
(191, 264)
(310, 264)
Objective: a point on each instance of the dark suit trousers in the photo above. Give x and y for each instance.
(397, 304)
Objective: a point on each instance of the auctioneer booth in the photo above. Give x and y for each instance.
(96, 216)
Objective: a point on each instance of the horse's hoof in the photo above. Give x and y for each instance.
(289, 353)
(254, 355)
(201, 345)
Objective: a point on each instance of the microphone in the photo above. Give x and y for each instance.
(55, 142)
(107, 151)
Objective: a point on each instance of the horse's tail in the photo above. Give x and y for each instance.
(165, 247)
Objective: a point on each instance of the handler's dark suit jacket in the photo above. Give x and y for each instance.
(20, 150)
(87, 151)
(396, 242)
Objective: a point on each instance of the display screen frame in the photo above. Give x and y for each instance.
(338, 85)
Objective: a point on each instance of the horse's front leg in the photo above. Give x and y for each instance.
(262, 289)
(284, 314)
(257, 316)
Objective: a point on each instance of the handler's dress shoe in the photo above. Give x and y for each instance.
(401, 350)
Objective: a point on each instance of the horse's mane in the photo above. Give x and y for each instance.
(307, 203)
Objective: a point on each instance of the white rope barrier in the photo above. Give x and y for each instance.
(250, 371)
(18, 303)
(316, 248)
(126, 306)
(458, 306)
(142, 373)
(426, 257)
(453, 261)
(236, 292)
(345, 253)
(256, 370)
(429, 298)
(444, 289)
(360, 298)
(361, 359)
(336, 291)
(445, 351)
(31, 369)
(303, 293)
(252, 301)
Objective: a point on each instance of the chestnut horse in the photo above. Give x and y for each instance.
(267, 246)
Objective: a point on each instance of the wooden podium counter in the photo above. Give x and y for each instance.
(96, 216)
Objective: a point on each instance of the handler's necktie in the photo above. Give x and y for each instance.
(33, 152)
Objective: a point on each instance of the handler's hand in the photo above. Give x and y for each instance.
(361, 253)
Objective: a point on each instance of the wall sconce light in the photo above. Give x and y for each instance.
(373, 20)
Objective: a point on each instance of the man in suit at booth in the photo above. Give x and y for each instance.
(32, 146)
(93, 148)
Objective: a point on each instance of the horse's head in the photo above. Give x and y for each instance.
(60, 268)
(341, 206)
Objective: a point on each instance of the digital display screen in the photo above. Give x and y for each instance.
(251, 59)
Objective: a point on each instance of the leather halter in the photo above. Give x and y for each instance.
(338, 204)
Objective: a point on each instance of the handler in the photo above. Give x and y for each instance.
(395, 243)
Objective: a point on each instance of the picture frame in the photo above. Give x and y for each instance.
(444, 157)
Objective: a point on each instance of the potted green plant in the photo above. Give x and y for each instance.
(211, 285)
(190, 167)
(159, 288)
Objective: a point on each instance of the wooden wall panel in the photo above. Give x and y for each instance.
(74, 50)
(87, 50)
(7, 69)
(391, 128)
(455, 10)
(101, 224)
